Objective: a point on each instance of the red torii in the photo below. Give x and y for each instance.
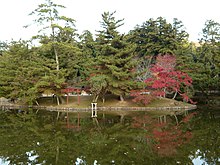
(69, 90)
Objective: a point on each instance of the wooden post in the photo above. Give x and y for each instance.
(94, 109)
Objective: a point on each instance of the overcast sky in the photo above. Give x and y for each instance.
(87, 13)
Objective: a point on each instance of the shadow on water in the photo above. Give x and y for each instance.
(124, 139)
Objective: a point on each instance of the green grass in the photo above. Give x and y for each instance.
(110, 101)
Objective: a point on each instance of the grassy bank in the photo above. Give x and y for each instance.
(110, 101)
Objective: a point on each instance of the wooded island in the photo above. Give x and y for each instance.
(155, 59)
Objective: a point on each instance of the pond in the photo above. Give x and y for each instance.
(41, 137)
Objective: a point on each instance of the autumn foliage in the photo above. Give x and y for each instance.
(165, 80)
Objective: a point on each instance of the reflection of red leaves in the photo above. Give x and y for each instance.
(167, 138)
(142, 122)
(188, 117)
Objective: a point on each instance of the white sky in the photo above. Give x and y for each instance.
(87, 13)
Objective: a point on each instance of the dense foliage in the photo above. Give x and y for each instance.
(115, 58)
(109, 62)
(165, 80)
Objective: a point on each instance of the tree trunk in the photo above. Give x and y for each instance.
(54, 47)
(37, 102)
(174, 95)
(121, 98)
(95, 98)
(57, 58)
(103, 99)
(164, 93)
(58, 101)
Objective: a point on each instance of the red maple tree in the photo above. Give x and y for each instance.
(164, 80)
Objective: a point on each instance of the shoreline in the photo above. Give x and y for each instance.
(99, 108)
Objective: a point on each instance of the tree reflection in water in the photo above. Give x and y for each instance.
(30, 138)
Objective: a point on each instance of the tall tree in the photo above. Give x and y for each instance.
(165, 79)
(158, 36)
(48, 17)
(58, 38)
(154, 37)
(25, 75)
(114, 57)
(202, 61)
(87, 61)
(208, 53)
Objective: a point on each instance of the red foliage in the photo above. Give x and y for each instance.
(70, 89)
(171, 81)
(165, 79)
(142, 96)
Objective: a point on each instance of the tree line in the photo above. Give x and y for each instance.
(107, 62)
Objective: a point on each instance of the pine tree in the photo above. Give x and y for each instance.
(156, 37)
(115, 57)
(58, 39)
(25, 75)
(88, 58)
(202, 61)
(56, 30)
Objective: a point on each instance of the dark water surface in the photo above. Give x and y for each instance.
(137, 138)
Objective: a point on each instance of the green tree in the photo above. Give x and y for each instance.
(61, 28)
(87, 44)
(87, 58)
(211, 46)
(201, 61)
(25, 75)
(115, 57)
(158, 36)
(58, 38)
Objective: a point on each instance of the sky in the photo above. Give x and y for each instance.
(87, 13)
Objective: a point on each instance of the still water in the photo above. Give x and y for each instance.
(136, 138)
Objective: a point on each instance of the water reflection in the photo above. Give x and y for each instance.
(135, 138)
(205, 146)
(3, 161)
